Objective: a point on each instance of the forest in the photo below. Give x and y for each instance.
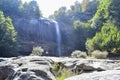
(81, 42)
(89, 26)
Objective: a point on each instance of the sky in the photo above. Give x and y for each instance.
(49, 6)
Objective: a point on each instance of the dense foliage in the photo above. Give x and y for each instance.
(76, 11)
(15, 8)
(108, 39)
(114, 12)
(7, 37)
(81, 32)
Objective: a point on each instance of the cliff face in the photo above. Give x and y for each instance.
(39, 32)
(35, 29)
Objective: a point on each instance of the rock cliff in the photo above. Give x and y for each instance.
(40, 32)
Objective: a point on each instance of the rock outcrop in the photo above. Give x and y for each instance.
(26, 68)
(104, 75)
(39, 68)
(88, 69)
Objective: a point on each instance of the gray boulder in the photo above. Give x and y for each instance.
(6, 72)
(26, 68)
(104, 75)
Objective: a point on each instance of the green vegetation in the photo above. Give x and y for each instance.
(15, 8)
(61, 72)
(99, 55)
(79, 54)
(37, 51)
(81, 32)
(108, 39)
(8, 37)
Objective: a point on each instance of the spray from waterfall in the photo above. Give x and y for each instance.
(58, 38)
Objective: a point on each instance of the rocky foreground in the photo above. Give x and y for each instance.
(39, 68)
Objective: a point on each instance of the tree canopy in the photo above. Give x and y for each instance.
(106, 22)
(8, 37)
(15, 8)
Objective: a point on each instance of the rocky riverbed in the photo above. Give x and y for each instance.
(39, 68)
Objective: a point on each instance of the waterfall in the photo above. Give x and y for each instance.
(44, 29)
(49, 31)
(58, 38)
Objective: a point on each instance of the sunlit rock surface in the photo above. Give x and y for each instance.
(39, 68)
(26, 68)
(104, 75)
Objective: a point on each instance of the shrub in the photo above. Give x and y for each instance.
(99, 55)
(79, 54)
(65, 73)
(61, 72)
(37, 51)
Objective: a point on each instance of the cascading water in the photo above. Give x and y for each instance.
(58, 38)
(49, 31)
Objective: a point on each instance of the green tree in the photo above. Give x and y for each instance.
(114, 12)
(15, 8)
(101, 15)
(106, 40)
(76, 8)
(80, 34)
(7, 37)
(10, 7)
(92, 6)
(84, 5)
(31, 9)
(106, 27)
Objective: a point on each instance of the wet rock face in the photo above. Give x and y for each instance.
(41, 32)
(35, 29)
(35, 32)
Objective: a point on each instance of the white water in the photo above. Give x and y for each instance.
(58, 38)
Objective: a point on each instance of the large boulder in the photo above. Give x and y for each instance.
(104, 75)
(87, 65)
(6, 72)
(1, 60)
(26, 68)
